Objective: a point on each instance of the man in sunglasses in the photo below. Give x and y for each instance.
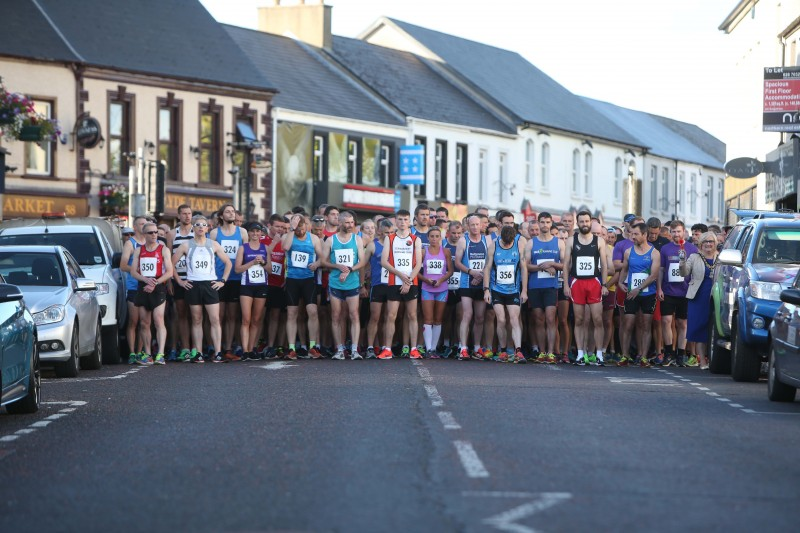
(184, 232)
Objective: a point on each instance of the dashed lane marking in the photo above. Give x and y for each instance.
(277, 365)
(469, 459)
(433, 395)
(448, 420)
(124, 375)
(35, 426)
(644, 381)
(509, 520)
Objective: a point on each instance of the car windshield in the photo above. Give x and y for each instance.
(37, 269)
(778, 245)
(84, 247)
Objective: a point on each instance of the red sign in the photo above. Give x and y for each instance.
(782, 99)
(366, 198)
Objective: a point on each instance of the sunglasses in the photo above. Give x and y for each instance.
(151, 232)
(709, 242)
(200, 225)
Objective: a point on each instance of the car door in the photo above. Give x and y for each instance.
(785, 340)
(13, 353)
(726, 281)
(85, 305)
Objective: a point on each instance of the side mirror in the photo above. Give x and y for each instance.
(791, 296)
(116, 259)
(85, 284)
(731, 256)
(10, 293)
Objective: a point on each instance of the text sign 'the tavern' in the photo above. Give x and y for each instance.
(782, 99)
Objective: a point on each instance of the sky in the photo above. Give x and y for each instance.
(666, 58)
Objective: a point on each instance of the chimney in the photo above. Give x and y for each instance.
(306, 21)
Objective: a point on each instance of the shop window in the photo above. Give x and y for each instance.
(352, 160)
(371, 162)
(120, 131)
(210, 143)
(169, 136)
(39, 156)
(461, 173)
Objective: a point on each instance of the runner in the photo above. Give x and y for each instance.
(584, 267)
(153, 269)
(178, 236)
(303, 251)
(640, 270)
(343, 254)
(437, 267)
(253, 264)
(202, 286)
(505, 287)
(421, 223)
(230, 237)
(470, 261)
(276, 280)
(544, 255)
(401, 257)
(452, 322)
(131, 284)
(378, 277)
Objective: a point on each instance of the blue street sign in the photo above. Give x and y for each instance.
(412, 165)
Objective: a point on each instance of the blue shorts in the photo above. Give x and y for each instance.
(342, 294)
(435, 296)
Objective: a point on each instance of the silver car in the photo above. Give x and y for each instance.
(63, 303)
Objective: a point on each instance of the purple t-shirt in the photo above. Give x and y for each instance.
(672, 283)
(620, 247)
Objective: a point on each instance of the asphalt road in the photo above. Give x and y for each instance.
(437, 445)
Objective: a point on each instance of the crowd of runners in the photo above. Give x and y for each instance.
(562, 289)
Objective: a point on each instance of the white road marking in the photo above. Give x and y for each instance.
(736, 405)
(67, 410)
(9, 438)
(24, 431)
(43, 423)
(644, 381)
(723, 399)
(497, 494)
(424, 373)
(277, 365)
(752, 412)
(470, 460)
(507, 521)
(695, 384)
(703, 388)
(448, 420)
(554, 368)
(433, 394)
(712, 394)
(40, 424)
(416, 362)
(124, 375)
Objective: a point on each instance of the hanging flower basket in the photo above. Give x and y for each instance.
(19, 121)
(30, 133)
(113, 200)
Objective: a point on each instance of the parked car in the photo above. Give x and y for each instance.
(62, 302)
(96, 244)
(760, 258)
(783, 376)
(20, 375)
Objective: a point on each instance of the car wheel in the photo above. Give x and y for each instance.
(69, 368)
(110, 345)
(94, 360)
(745, 362)
(30, 403)
(777, 391)
(719, 359)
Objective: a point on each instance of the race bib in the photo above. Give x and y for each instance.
(256, 275)
(543, 274)
(434, 266)
(276, 269)
(477, 264)
(230, 247)
(147, 266)
(454, 281)
(675, 273)
(585, 266)
(506, 274)
(402, 262)
(202, 263)
(299, 259)
(344, 257)
(180, 266)
(384, 276)
(637, 280)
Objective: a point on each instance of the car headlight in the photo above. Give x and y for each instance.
(765, 290)
(54, 313)
(102, 288)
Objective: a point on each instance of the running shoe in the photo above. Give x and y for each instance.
(564, 359)
(302, 353)
(703, 367)
(386, 353)
(145, 360)
(659, 360)
(355, 356)
(197, 357)
(488, 354)
(262, 345)
(680, 361)
(478, 354)
(541, 358)
(231, 357)
(415, 354)
(219, 358)
(692, 362)
(435, 354)
(172, 355)
(422, 350)
(338, 356)
(502, 357)
(315, 353)
(591, 359)
(463, 355)
(623, 361)
(405, 352)
(291, 355)
(519, 358)
(669, 361)
(551, 359)
(600, 361)
(132, 358)
(279, 353)
(643, 362)
(239, 351)
(160, 359)
(371, 353)
(184, 356)
(580, 361)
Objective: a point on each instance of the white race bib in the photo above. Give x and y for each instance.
(477, 264)
(384, 276)
(180, 266)
(584, 266)
(202, 262)
(454, 281)
(637, 280)
(299, 259)
(435, 266)
(256, 275)
(543, 274)
(506, 274)
(675, 273)
(344, 257)
(402, 262)
(147, 266)
(230, 247)
(276, 269)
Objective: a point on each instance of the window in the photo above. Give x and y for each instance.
(587, 174)
(545, 166)
(576, 170)
(482, 162)
(461, 173)
(679, 201)
(618, 180)
(530, 169)
(421, 190)
(721, 199)
(709, 197)
(352, 161)
(319, 158)
(440, 169)
(39, 156)
(502, 175)
(665, 189)
(120, 131)
(386, 165)
(169, 141)
(653, 188)
(210, 143)
(337, 157)
(371, 162)
(693, 194)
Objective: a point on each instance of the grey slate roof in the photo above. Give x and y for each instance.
(412, 86)
(175, 38)
(517, 85)
(307, 80)
(666, 137)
